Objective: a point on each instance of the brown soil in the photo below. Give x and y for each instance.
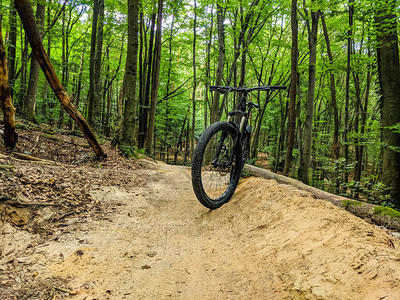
(134, 230)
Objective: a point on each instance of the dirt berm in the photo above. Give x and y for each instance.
(271, 241)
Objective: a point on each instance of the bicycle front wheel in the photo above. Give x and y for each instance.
(216, 165)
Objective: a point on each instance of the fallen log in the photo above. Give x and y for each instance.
(25, 157)
(380, 215)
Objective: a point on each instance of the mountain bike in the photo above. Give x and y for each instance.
(221, 150)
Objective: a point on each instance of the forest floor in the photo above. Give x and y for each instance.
(76, 228)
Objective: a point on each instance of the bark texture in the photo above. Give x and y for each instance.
(292, 92)
(130, 113)
(389, 79)
(30, 105)
(10, 135)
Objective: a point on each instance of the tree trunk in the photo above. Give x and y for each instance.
(30, 104)
(32, 32)
(130, 113)
(64, 80)
(389, 79)
(46, 84)
(10, 135)
(208, 71)
(214, 113)
(305, 163)
(97, 66)
(24, 70)
(347, 99)
(363, 111)
(92, 70)
(146, 83)
(168, 90)
(336, 141)
(180, 138)
(79, 84)
(96, 46)
(155, 80)
(12, 47)
(292, 92)
(194, 81)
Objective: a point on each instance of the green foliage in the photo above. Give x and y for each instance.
(347, 203)
(267, 61)
(131, 152)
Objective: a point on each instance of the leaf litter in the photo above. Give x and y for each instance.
(126, 229)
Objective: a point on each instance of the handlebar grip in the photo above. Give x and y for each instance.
(251, 104)
(222, 89)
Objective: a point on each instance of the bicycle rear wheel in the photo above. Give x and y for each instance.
(216, 165)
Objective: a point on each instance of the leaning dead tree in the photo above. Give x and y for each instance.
(10, 135)
(32, 33)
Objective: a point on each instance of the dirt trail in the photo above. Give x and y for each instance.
(270, 242)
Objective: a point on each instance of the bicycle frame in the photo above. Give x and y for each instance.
(240, 111)
(240, 128)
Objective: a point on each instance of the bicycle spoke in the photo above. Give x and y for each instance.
(217, 173)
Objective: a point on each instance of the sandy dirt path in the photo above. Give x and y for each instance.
(270, 241)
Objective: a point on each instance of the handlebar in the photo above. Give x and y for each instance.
(228, 89)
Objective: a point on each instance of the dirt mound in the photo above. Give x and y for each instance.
(156, 241)
(314, 249)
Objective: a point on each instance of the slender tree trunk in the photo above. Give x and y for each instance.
(347, 99)
(145, 101)
(389, 78)
(12, 47)
(208, 71)
(96, 46)
(130, 112)
(155, 80)
(336, 141)
(97, 61)
(363, 111)
(24, 69)
(91, 100)
(46, 84)
(292, 91)
(64, 81)
(357, 116)
(79, 84)
(168, 90)
(30, 104)
(214, 113)
(194, 81)
(281, 139)
(179, 143)
(305, 163)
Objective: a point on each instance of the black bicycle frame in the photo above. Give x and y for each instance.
(240, 111)
(239, 129)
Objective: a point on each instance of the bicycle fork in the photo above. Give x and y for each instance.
(224, 135)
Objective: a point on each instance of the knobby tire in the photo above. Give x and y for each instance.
(215, 186)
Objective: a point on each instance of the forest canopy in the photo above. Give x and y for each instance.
(139, 72)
